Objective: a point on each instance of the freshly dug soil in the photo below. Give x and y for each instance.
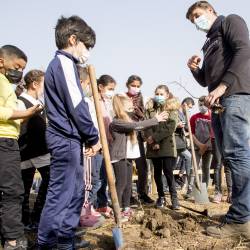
(155, 229)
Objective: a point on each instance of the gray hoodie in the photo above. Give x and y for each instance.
(119, 130)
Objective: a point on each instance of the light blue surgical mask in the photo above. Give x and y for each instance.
(202, 23)
(160, 99)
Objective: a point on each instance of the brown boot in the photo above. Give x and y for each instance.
(230, 230)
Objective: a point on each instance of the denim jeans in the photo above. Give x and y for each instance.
(205, 166)
(217, 164)
(232, 132)
(102, 195)
(186, 157)
(95, 178)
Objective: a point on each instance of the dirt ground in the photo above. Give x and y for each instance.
(155, 229)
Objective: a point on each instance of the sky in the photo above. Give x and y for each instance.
(151, 39)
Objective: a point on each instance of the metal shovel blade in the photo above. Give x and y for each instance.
(118, 239)
(200, 196)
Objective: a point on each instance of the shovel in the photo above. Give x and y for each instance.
(117, 232)
(199, 189)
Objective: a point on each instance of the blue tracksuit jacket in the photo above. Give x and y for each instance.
(67, 112)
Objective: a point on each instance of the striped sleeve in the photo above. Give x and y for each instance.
(74, 102)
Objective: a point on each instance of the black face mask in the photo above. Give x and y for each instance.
(13, 75)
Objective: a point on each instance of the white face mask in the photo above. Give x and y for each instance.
(202, 23)
(134, 90)
(84, 57)
(109, 94)
(81, 53)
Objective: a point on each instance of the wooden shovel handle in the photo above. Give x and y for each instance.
(105, 148)
(194, 161)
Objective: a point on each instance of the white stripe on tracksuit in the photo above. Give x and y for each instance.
(87, 178)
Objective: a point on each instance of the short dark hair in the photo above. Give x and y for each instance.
(132, 79)
(200, 4)
(74, 25)
(34, 75)
(202, 99)
(188, 100)
(11, 50)
(105, 80)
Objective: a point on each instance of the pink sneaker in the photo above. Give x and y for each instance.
(89, 210)
(217, 198)
(105, 211)
(94, 212)
(91, 221)
(127, 213)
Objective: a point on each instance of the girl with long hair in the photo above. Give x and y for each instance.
(161, 145)
(124, 147)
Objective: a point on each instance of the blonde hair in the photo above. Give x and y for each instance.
(119, 102)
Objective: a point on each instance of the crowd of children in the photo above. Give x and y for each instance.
(61, 141)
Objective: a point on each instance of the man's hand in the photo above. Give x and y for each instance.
(91, 151)
(193, 62)
(215, 95)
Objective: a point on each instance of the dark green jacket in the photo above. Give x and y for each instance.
(162, 134)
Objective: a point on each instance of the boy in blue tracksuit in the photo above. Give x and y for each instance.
(69, 127)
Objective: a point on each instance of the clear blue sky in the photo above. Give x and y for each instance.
(149, 38)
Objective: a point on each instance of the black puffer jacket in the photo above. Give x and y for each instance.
(226, 56)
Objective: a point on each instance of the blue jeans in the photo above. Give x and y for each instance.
(97, 161)
(232, 132)
(186, 156)
(102, 196)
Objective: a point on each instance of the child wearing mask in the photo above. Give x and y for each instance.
(202, 135)
(12, 63)
(106, 87)
(161, 145)
(69, 128)
(124, 147)
(134, 84)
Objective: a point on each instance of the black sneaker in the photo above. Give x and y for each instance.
(80, 243)
(188, 195)
(175, 204)
(134, 203)
(161, 202)
(146, 199)
(21, 243)
(80, 232)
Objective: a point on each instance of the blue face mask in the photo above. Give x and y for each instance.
(202, 23)
(160, 99)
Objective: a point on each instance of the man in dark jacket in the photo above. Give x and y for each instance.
(225, 71)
